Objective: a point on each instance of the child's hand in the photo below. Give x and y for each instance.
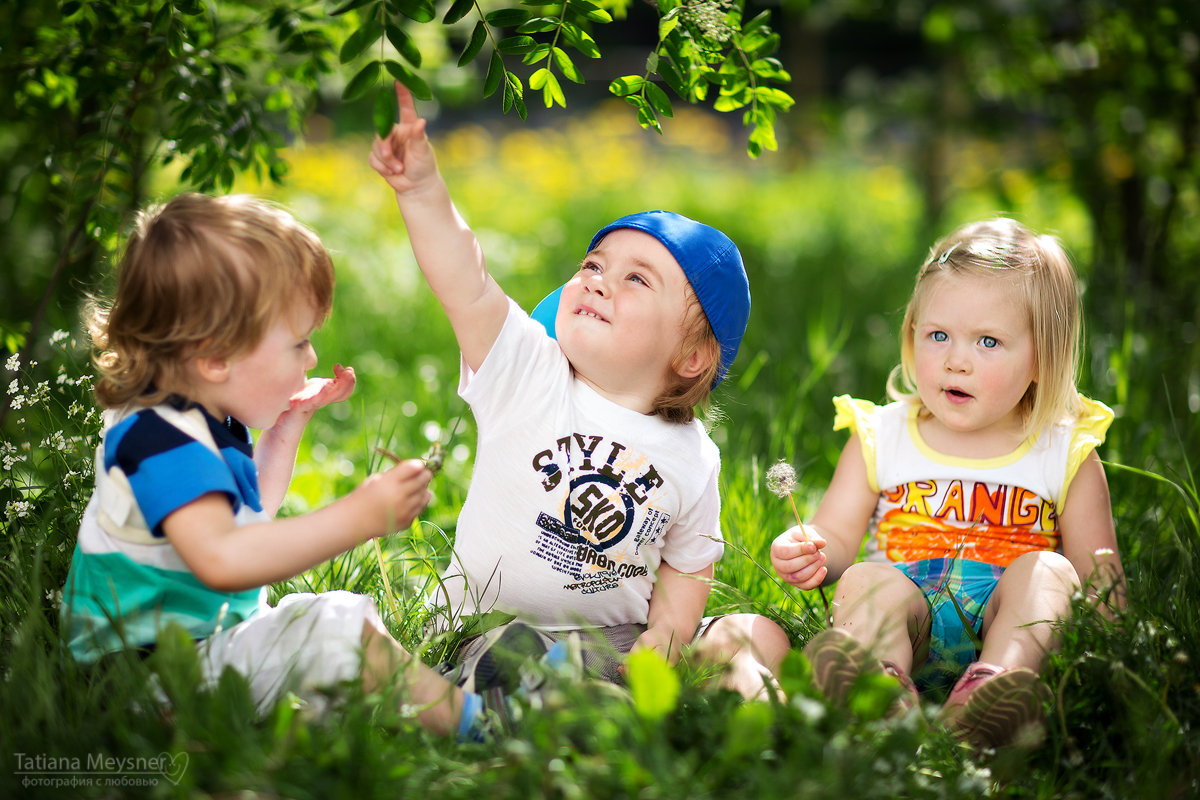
(391, 500)
(404, 158)
(796, 555)
(662, 638)
(320, 392)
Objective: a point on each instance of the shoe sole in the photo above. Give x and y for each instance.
(837, 660)
(997, 710)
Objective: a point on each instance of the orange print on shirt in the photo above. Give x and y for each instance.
(905, 536)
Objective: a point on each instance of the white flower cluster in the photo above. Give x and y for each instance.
(16, 509)
(9, 457)
(55, 441)
(709, 17)
(13, 364)
(14, 387)
(58, 336)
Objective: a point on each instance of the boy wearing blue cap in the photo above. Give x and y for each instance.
(594, 503)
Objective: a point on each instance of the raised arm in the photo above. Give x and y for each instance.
(447, 252)
(1089, 538)
(821, 551)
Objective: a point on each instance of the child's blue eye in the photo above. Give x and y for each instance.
(940, 336)
(592, 265)
(638, 278)
(988, 342)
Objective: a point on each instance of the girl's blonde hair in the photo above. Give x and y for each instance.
(201, 276)
(678, 401)
(1040, 269)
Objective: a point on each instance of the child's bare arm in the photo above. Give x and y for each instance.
(676, 605)
(1088, 536)
(447, 252)
(821, 551)
(230, 558)
(275, 451)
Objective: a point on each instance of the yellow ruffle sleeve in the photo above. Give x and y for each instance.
(1087, 435)
(858, 416)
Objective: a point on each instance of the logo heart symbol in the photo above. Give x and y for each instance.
(178, 766)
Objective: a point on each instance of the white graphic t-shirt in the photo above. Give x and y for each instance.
(575, 500)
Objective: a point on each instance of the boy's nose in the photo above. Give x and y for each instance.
(310, 360)
(595, 283)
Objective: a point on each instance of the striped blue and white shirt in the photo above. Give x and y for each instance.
(126, 580)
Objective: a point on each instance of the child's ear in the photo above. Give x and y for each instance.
(212, 369)
(697, 362)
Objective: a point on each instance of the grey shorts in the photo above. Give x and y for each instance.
(603, 648)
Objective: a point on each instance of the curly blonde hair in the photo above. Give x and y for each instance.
(200, 276)
(678, 401)
(1039, 267)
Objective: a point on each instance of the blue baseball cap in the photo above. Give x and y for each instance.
(710, 261)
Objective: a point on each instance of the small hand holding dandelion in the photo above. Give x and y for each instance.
(796, 553)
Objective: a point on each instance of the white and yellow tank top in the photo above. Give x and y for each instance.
(987, 509)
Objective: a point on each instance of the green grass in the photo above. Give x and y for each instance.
(831, 251)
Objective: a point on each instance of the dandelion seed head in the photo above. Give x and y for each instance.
(781, 479)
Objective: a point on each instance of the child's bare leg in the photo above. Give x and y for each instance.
(384, 660)
(1035, 588)
(883, 609)
(752, 646)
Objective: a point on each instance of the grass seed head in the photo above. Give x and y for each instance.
(781, 479)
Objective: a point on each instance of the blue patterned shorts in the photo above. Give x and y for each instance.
(970, 584)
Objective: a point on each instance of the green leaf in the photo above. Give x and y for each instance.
(666, 25)
(770, 69)
(654, 685)
(507, 103)
(515, 45)
(671, 77)
(658, 99)
(403, 43)
(647, 119)
(418, 87)
(732, 102)
(551, 92)
(564, 63)
(579, 39)
(538, 79)
(478, 37)
(360, 83)
(776, 97)
(519, 102)
(458, 10)
(418, 10)
(591, 11)
(385, 111)
(360, 40)
(759, 21)
(536, 54)
(627, 85)
(349, 5)
(508, 17)
(538, 25)
(495, 75)
(749, 731)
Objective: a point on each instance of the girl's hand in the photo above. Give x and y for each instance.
(390, 501)
(320, 392)
(796, 555)
(404, 158)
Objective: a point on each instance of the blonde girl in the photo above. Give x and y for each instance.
(986, 504)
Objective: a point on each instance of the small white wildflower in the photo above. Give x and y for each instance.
(67, 478)
(781, 479)
(76, 408)
(58, 336)
(14, 363)
(62, 378)
(55, 441)
(55, 597)
(1104, 551)
(14, 387)
(10, 460)
(16, 509)
(32, 364)
(7, 447)
(18, 401)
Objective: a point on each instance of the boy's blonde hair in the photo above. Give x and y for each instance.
(201, 276)
(678, 401)
(1040, 269)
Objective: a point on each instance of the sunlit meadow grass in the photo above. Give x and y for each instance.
(831, 249)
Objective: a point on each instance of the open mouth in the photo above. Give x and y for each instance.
(585, 312)
(958, 394)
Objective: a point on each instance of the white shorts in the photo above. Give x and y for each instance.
(306, 643)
